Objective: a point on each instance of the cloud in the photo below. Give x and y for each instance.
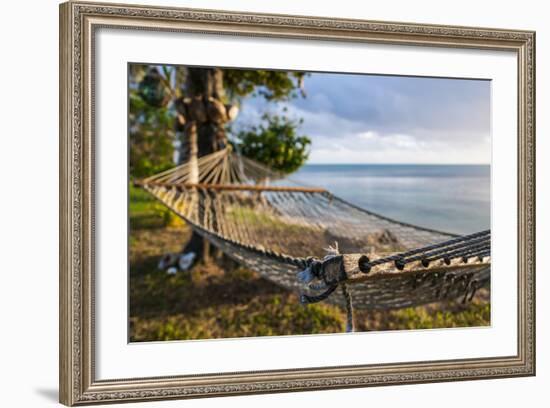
(377, 119)
(400, 101)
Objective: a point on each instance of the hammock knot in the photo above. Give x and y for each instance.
(310, 271)
(226, 199)
(330, 270)
(332, 273)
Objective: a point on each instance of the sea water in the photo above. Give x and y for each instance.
(451, 198)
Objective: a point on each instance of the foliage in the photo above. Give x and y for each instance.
(275, 143)
(272, 85)
(152, 112)
(147, 212)
(150, 125)
(152, 88)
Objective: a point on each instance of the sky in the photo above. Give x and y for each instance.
(354, 118)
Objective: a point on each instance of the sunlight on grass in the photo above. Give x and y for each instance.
(216, 302)
(146, 212)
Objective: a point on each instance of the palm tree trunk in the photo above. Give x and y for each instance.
(202, 135)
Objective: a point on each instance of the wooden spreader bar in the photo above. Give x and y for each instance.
(235, 187)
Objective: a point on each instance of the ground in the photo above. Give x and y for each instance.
(212, 301)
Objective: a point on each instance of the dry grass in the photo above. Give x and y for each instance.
(214, 302)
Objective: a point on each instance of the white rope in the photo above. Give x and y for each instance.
(283, 223)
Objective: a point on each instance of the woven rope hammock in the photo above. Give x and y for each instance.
(307, 240)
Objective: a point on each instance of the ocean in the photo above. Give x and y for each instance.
(451, 198)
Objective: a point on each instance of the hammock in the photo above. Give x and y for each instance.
(307, 240)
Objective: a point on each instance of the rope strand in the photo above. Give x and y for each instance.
(282, 230)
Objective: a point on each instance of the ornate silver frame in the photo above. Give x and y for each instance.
(78, 21)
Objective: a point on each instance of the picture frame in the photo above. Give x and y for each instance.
(79, 23)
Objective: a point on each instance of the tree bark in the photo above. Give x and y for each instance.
(201, 85)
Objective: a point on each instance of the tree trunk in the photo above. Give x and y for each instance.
(202, 84)
(202, 136)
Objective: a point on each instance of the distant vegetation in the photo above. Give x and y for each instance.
(275, 143)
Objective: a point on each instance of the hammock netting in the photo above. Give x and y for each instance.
(307, 240)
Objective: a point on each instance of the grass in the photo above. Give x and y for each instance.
(212, 301)
(298, 238)
(148, 213)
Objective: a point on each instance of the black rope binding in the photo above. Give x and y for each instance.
(329, 273)
(451, 249)
(307, 299)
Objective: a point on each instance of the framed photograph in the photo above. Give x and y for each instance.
(256, 203)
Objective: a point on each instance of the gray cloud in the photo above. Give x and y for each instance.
(381, 119)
